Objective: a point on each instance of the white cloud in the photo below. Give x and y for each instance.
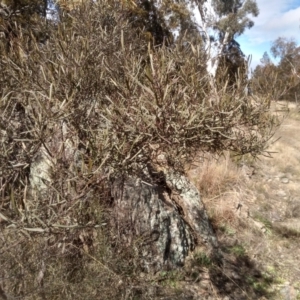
(276, 18)
(273, 23)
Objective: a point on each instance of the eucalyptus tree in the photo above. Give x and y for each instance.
(266, 60)
(288, 53)
(220, 22)
(212, 24)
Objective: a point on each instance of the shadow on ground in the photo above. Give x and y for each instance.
(240, 277)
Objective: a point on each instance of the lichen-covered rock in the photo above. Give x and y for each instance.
(60, 148)
(162, 220)
(40, 171)
(145, 211)
(187, 197)
(169, 219)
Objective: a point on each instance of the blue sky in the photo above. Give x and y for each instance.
(276, 18)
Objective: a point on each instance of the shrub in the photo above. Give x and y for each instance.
(101, 102)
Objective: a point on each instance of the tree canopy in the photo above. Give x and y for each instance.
(281, 79)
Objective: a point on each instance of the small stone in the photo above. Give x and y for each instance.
(285, 180)
(235, 275)
(166, 238)
(288, 292)
(281, 193)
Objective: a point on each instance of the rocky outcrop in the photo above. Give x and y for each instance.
(169, 220)
(59, 149)
(161, 220)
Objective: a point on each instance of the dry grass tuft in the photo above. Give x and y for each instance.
(214, 176)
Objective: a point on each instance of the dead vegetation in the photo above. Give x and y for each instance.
(97, 100)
